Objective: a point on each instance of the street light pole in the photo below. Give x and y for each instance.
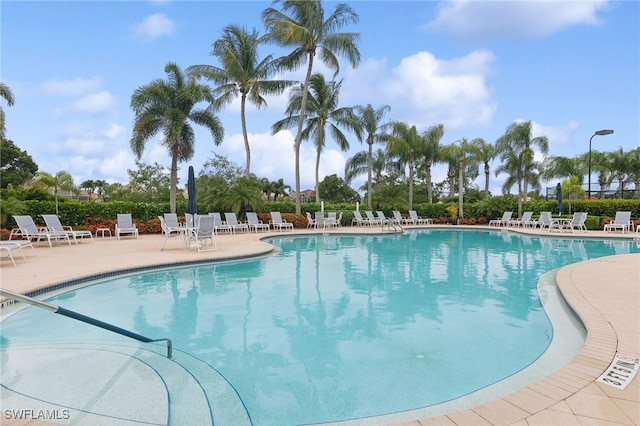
(598, 133)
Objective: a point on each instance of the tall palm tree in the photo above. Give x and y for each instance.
(306, 30)
(168, 106)
(431, 154)
(371, 122)
(620, 165)
(485, 153)
(405, 142)
(322, 111)
(518, 137)
(241, 73)
(601, 164)
(7, 95)
(520, 167)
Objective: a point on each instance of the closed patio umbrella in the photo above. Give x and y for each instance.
(191, 191)
(559, 198)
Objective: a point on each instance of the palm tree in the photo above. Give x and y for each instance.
(601, 164)
(322, 111)
(449, 154)
(520, 167)
(243, 195)
(7, 95)
(620, 165)
(61, 181)
(484, 152)
(279, 188)
(563, 167)
(307, 31)
(370, 119)
(518, 138)
(634, 170)
(242, 74)
(406, 143)
(431, 154)
(169, 106)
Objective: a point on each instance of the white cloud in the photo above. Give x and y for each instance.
(428, 90)
(479, 21)
(94, 103)
(154, 26)
(71, 88)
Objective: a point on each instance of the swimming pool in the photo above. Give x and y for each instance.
(341, 325)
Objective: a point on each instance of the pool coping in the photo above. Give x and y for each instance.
(569, 396)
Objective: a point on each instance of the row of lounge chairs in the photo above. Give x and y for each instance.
(545, 221)
(381, 219)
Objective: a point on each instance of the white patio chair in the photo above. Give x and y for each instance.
(417, 220)
(279, 223)
(254, 223)
(371, 218)
(219, 225)
(384, 220)
(622, 221)
(319, 220)
(170, 228)
(524, 221)
(203, 236)
(545, 220)
(358, 220)
(311, 222)
(9, 247)
(28, 229)
(53, 224)
(504, 221)
(332, 220)
(232, 221)
(397, 216)
(125, 226)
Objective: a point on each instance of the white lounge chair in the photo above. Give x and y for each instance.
(28, 229)
(524, 221)
(384, 220)
(254, 223)
(125, 226)
(358, 220)
(545, 220)
(504, 221)
(171, 228)
(53, 224)
(202, 235)
(576, 222)
(371, 218)
(232, 221)
(319, 220)
(9, 247)
(219, 225)
(311, 222)
(279, 223)
(397, 216)
(332, 220)
(622, 221)
(417, 220)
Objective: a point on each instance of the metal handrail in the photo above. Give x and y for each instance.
(80, 317)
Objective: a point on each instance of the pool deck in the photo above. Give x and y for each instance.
(604, 292)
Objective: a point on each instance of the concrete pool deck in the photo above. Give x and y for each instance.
(604, 292)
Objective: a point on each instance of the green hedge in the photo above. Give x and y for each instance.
(75, 213)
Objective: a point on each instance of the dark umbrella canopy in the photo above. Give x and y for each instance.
(559, 198)
(191, 191)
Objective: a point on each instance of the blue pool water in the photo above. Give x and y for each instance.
(335, 327)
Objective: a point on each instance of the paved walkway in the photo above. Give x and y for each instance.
(605, 294)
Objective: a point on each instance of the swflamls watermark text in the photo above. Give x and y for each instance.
(31, 414)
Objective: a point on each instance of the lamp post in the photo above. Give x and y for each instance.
(598, 133)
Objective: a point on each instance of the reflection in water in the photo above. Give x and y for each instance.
(335, 328)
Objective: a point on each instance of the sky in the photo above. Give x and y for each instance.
(569, 67)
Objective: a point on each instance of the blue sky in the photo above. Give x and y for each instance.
(475, 66)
